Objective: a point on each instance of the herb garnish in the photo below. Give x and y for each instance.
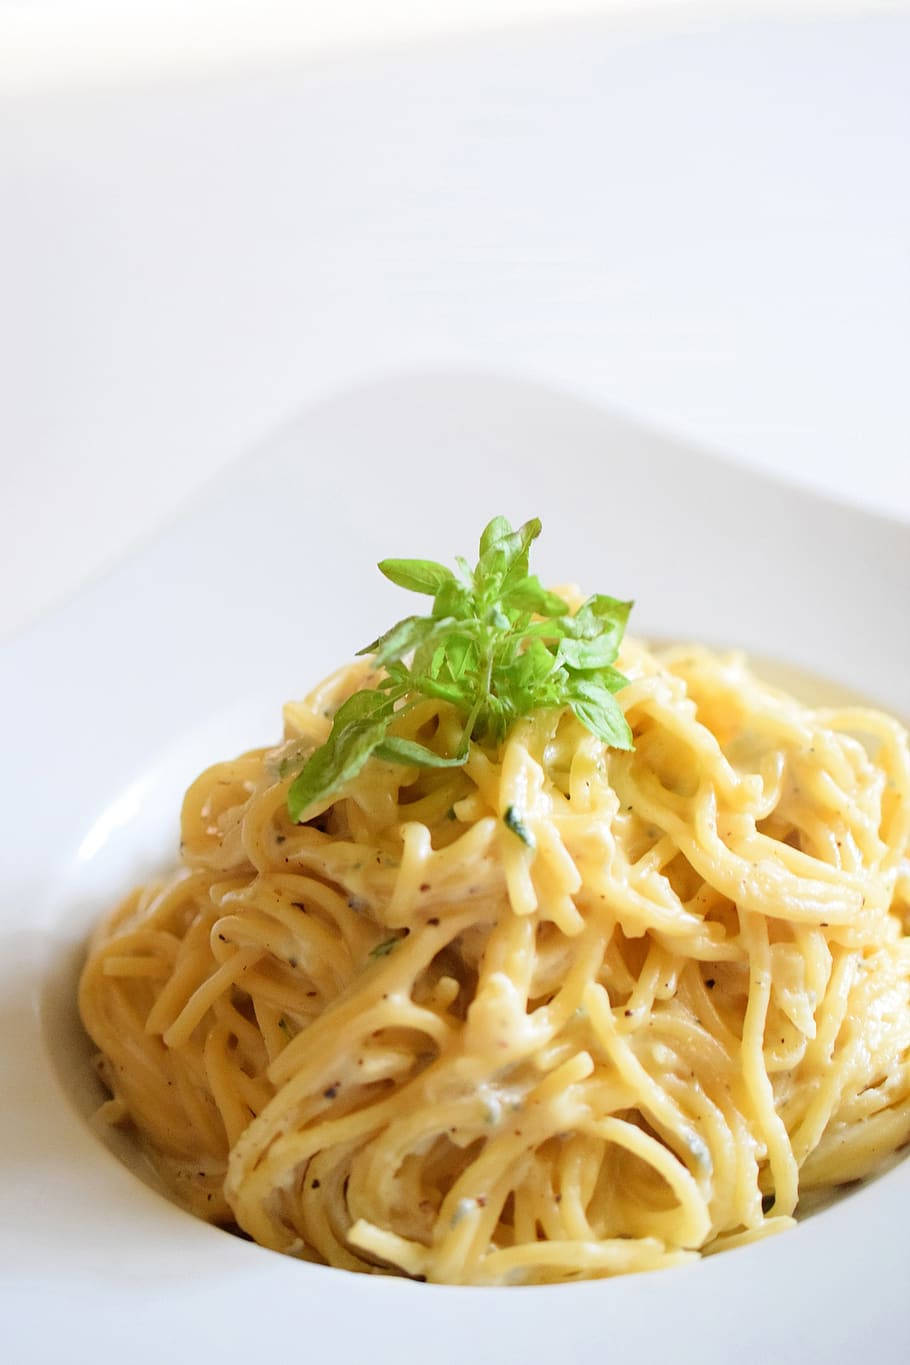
(496, 645)
(383, 949)
(515, 823)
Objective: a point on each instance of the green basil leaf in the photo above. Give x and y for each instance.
(504, 561)
(400, 639)
(425, 660)
(336, 763)
(579, 688)
(612, 679)
(491, 567)
(465, 574)
(461, 655)
(596, 653)
(495, 530)
(453, 601)
(519, 547)
(556, 628)
(609, 609)
(420, 575)
(604, 616)
(607, 722)
(445, 691)
(497, 618)
(358, 706)
(396, 750)
(398, 674)
(533, 665)
(530, 595)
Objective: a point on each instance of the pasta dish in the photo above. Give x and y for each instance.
(530, 954)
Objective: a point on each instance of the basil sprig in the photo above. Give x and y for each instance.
(496, 645)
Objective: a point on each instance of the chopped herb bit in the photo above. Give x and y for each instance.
(515, 823)
(496, 645)
(383, 949)
(284, 1025)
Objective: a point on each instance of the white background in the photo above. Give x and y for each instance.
(699, 218)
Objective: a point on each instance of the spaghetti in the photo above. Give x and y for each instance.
(564, 1011)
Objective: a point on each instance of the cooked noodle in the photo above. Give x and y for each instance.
(564, 1012)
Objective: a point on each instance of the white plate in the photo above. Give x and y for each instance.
(115, 702)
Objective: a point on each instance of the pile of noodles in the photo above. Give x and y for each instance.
(564, 1012)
